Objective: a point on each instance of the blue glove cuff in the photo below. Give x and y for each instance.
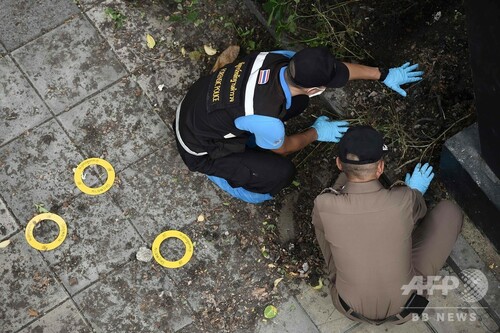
(240, 192)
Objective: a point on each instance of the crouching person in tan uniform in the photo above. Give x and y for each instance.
(375, 240)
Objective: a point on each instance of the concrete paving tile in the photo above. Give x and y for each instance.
(213, 283)
(319, 307)
(69, 63)
(162, 65)
(138, 298)
(86, 4)
(21, 108)
(159, 193)
(291, 318)
(118, 125)
(37, 168)
(8, 224)
(450, 313)
(23, 20)
(176, 77)
(129, 40)
(99, 240)
(27, 286)
(65, 318)
(210, 273)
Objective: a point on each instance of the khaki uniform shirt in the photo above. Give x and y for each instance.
(364, 232)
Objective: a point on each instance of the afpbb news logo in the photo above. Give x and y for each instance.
(471, 289)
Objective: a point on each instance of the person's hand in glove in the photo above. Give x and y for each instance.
(330, 131)
(398, 76)
(420, 178)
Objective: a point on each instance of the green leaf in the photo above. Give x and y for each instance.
(192, 16)
(296, 183)
(41, 209)
(175, 18)
(270, 312)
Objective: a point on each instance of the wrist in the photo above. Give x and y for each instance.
(383, 73)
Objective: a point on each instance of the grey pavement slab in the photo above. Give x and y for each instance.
(129, 41)
(99, 240)
(23, 20)
(164, 65)
(159, 193)
(291, 318)
(176, 77)
(86, 4)
(118, 124)
(138, 298)
(69, 63)
(20, 107)
(450, 313)
(211, 281)
(208, 273)
(464, 257)
(37, 168)
(27, 287)
(319, 307)
(63, 319)
(8, 224)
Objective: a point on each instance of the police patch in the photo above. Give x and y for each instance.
(264, 76)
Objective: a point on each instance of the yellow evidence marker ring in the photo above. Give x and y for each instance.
(98, 190)
(169, 234)
(63, 231)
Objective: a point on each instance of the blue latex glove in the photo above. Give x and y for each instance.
(330, 131)
(240, 192)
(420, 178)
(401, 75)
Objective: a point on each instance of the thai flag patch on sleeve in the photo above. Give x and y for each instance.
(264, 76)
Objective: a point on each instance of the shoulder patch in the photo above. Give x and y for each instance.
(264, 76)
(398, 183)
(330, 190)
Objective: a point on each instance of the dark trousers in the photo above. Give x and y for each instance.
(256, 170)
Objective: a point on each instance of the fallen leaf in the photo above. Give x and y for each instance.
(296, 183)
(226, 57)
(320, 284)
(270, 312)
(209, 50)
(40, 208)
(33, 313)
(5, 243)
(264, 252)
(276, 282)
(201, 218)
(183, 51)
(195, 55)
(150, 41)
(259, 293)
(73, 281)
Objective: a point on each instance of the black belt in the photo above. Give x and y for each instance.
(392, 318)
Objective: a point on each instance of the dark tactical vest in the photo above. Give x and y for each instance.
(245, 87)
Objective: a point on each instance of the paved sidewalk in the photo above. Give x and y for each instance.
(72, 86)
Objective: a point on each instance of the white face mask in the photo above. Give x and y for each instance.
(318, 93)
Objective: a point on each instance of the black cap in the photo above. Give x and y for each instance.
(316, 67)
(363, 141)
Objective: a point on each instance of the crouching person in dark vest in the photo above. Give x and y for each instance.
(376, 240)
(230, 123)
